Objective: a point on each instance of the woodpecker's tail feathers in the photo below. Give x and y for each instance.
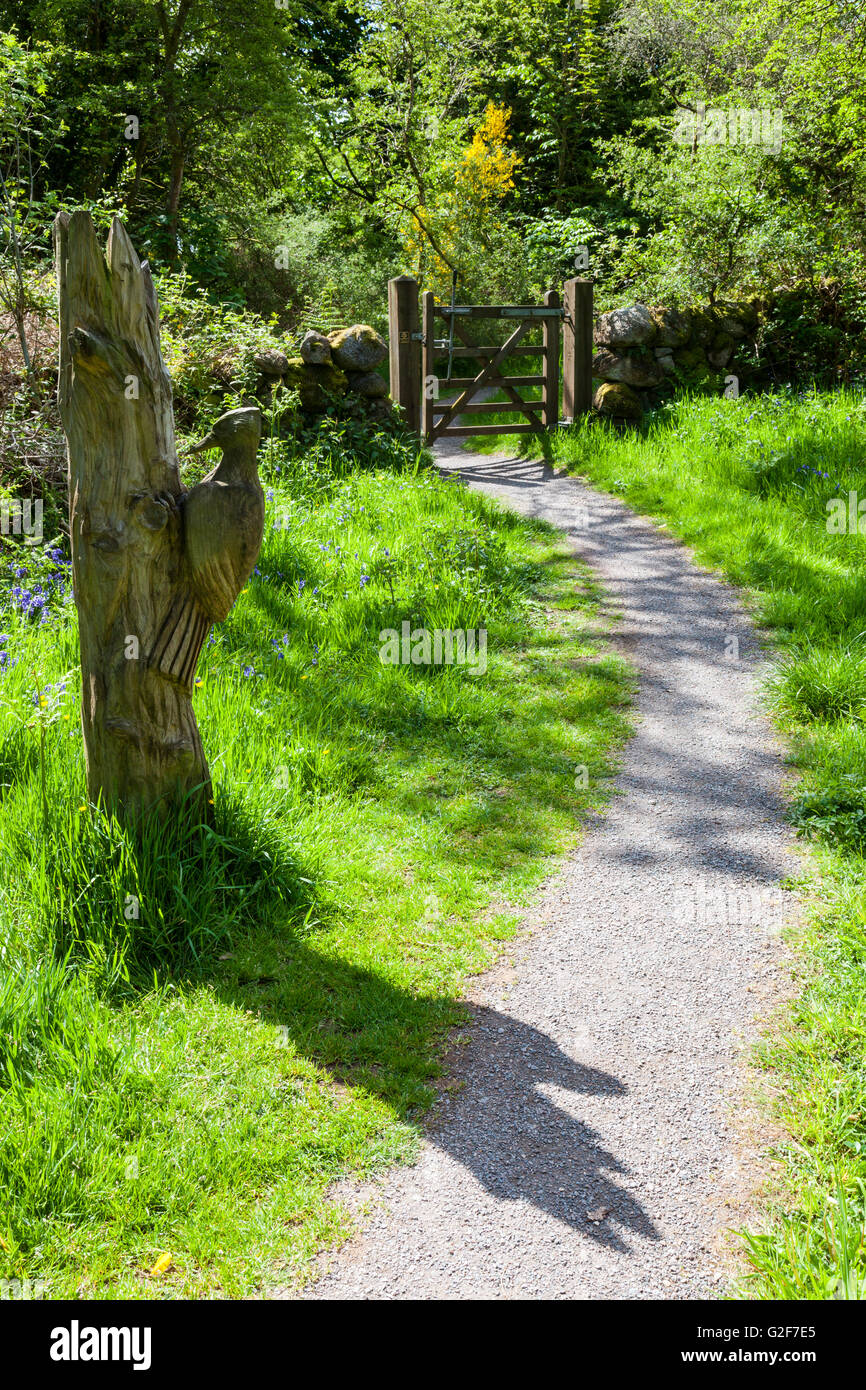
(181, 638)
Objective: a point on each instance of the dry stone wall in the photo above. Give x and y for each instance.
(643, 354)
(333, 374)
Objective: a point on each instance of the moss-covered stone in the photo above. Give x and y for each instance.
(617, 400)
(631, 327)
(315, 348)
(632, 370)
(746, 310)
(690, 358)
(722, 350)
(674, 326)
(315, 384)
(692, 367)
(358, 349)
(271, 363)
(704, 327)
(368, 384)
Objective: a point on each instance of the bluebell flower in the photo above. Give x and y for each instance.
(248, 671)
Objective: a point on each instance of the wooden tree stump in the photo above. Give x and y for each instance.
(153, 564)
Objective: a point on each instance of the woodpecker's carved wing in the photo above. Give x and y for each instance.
(223, 522)
(223, 525)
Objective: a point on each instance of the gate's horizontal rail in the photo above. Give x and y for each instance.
(464, 431)
(497, 311)
(458, 382)
(488, 350)
(488, 407)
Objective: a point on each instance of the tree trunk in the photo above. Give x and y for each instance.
(131, 569)
(173, 205)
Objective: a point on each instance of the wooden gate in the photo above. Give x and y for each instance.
(446, 398)
(434, 400)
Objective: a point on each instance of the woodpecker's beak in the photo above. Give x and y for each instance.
(209, 442)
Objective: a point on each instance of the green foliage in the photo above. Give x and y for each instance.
(201, 1030)
(827, 682)
(26, 205)
(208, 346)
(319, 449)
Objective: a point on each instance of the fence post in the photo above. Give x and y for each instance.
(577, 349)
(431, 382)
(550, 341)
(404, 348)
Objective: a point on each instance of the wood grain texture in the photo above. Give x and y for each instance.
(153, 565)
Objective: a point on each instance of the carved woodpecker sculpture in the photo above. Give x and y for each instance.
(222, 521)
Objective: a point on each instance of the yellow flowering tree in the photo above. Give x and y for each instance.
(455, 229)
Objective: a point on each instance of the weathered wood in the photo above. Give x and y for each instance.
(464, 431)
(489, 407)
(153, 565)
(457, 383)
(404, 346)
(428, 371)
(488, 376)
(490, 363)
(487, 349)
(495, 311)
(577, 349)
(550, 392)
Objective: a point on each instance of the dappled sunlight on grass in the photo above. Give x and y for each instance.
(256, 1008)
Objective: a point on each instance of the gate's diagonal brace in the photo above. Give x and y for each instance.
(519, 404)
(489, 375)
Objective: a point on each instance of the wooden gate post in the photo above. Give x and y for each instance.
(431, 383)
(550, 342)
(577, 349)
(405, 347)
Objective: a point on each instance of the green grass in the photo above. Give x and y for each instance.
(746, 483)
(203, 1028)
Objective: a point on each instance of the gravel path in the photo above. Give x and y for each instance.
(593, 1147)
